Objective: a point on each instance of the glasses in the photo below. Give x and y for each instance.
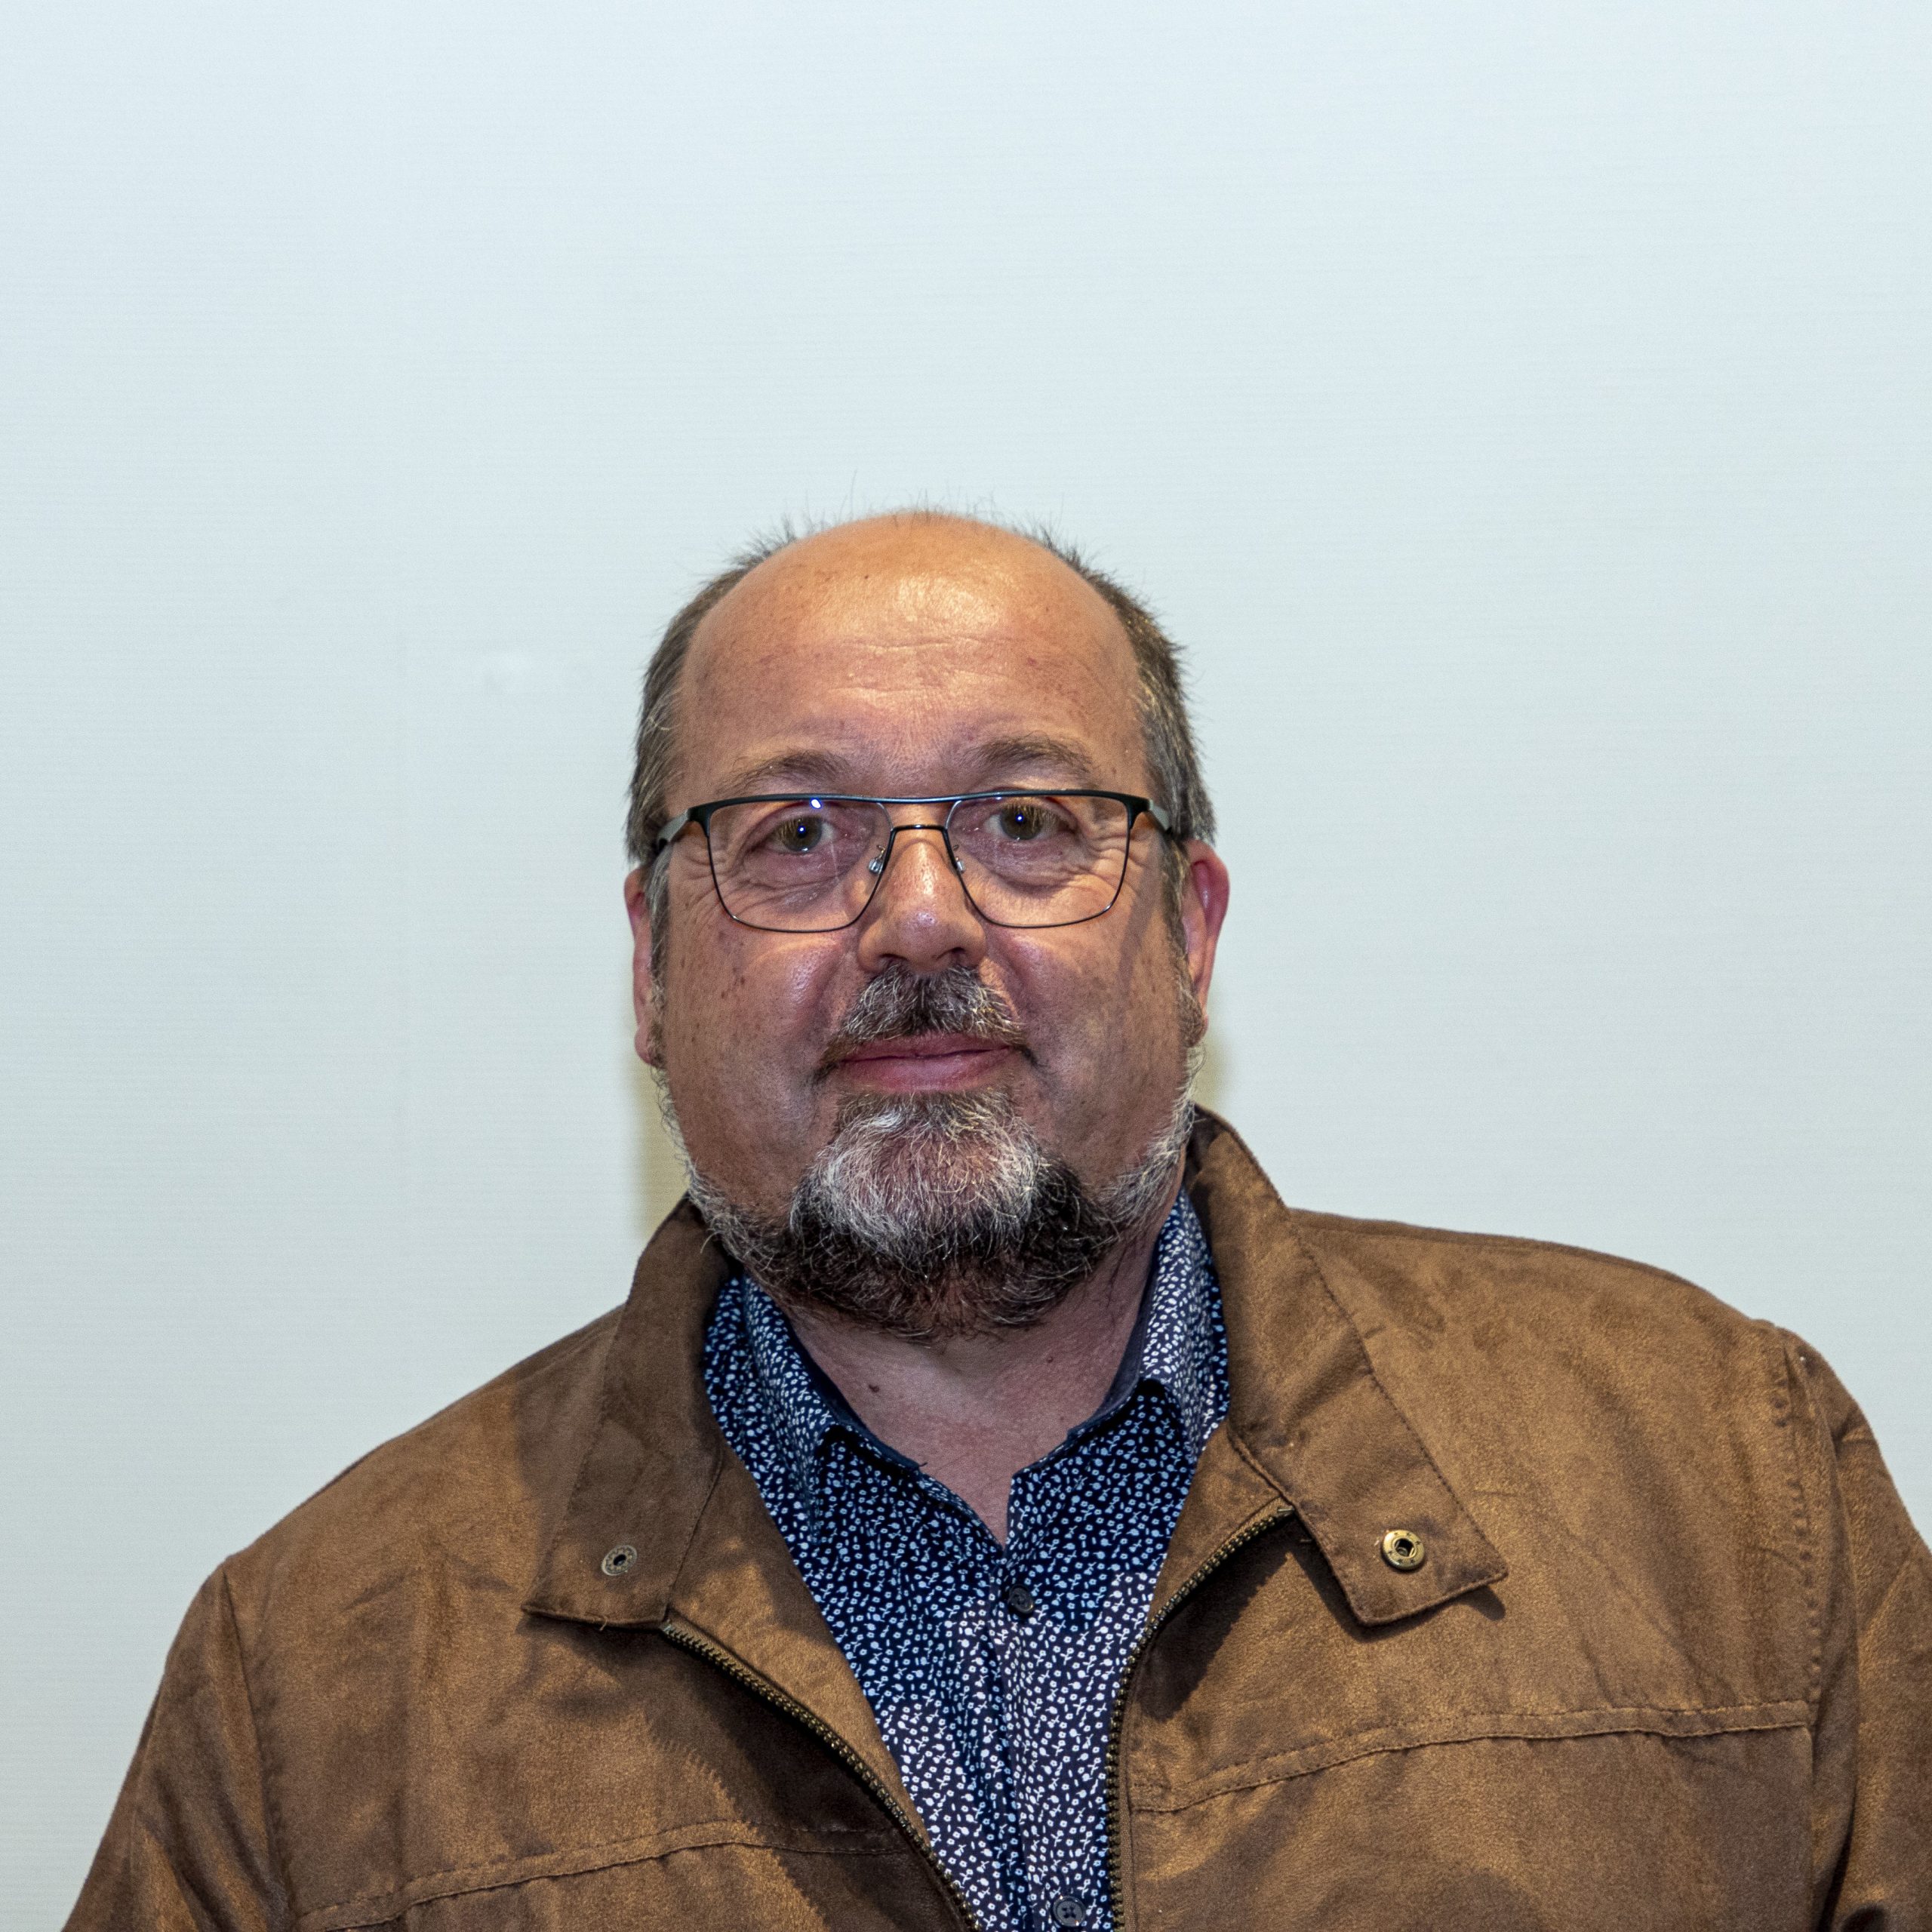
(785, 864)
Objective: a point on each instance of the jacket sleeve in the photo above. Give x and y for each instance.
(188, 1845)
(1872, 1738)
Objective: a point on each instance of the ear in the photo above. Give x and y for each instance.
(1204, 905)
(644, 986)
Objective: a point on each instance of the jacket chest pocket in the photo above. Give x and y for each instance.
(1510, 1758)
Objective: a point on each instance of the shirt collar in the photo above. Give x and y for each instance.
(1178, 1345)
(802, 1402)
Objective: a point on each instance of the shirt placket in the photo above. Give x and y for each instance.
(1047, 1728)
(927, 1655)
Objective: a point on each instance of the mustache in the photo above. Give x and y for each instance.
(900, 1005)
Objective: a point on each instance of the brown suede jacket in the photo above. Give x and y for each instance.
(1666, 1660)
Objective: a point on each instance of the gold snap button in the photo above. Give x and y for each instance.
(617, 1561)
(1403, 1549)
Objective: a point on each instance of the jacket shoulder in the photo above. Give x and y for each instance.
(1432, 1276)
(1620, 1394)
(475, 1484)
(1407, 1286)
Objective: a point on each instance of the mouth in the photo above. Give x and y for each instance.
(924, 1062)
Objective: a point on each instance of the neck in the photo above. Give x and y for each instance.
(972, 1410)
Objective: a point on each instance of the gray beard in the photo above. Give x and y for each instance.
(933, 1216)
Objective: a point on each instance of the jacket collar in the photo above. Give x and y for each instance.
(665, 1529)
(1308, 1411)
(1310, 1425)
(654, 1453)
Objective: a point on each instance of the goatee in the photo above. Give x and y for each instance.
(933, 1216)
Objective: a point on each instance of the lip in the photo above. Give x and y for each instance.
(925, 1062)
(927, 1046)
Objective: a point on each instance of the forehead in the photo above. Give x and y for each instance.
(908, 657)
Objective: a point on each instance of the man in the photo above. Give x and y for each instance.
(993, 1507)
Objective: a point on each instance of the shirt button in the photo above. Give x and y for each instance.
(1068, 1909)
(1020, 1604)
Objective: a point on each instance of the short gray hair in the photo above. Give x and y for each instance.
(1173, 763)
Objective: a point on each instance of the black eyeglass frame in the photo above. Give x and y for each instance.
(700, 815)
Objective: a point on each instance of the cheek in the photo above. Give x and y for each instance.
(1106, 1020)
(743, 1023)
(721, 1015)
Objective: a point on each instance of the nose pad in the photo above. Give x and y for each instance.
(920, 921)
(876, 865)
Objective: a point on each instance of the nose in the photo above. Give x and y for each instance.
(919, 914)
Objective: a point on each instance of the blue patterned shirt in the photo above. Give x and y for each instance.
(992, 1670)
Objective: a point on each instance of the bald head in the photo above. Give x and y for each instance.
(910, 576)
(851, 661)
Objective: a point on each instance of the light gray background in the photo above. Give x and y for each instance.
(1521, 413)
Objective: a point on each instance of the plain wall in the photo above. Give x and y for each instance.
(1520, 414)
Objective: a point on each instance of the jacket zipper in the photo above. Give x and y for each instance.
(1239, 1540)
(833, 1743)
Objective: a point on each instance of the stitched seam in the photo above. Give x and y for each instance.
(568, 1513)
(558, 1353)
(697, 1523)
(1395, 1409)
(368, 1908)
(1374, 1374)
(1521, 1243)
(1906, 1565)
(1336, 1301)
(1784, 1409)
(1461, 1237)
(270, 1807)
(597, 1436)
(1503, 1728)
(1247, 1456)
(1460, 1726)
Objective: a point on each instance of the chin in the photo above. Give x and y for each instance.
(932, 1215)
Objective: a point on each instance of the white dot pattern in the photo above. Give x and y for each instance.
(995, 1701)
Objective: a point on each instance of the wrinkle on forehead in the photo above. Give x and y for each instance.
(913, 607)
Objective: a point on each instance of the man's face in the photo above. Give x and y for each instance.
(912, 658)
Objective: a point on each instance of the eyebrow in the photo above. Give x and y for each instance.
(1030, 752)
(998, 760)
(807, 769)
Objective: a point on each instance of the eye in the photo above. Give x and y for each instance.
(1021, 821)
(799, 832)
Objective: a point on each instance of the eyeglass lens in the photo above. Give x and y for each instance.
(1024, 859)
